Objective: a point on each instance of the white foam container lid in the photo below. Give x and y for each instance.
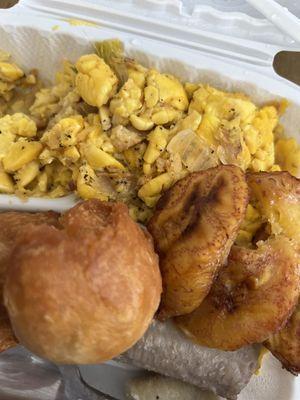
(224, 47)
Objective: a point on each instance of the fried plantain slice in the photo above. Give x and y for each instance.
(277, 196)
(252, 298)
(285, 344)
(194, 227)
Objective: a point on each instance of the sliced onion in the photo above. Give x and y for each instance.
(195, 153)
(105, 185)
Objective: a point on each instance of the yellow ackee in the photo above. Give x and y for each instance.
(287, 155)
(95, 81)
(20, 154)
(10, 72)
(113, 129)
(18, 124)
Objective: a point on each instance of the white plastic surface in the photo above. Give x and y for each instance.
(233, 35)
(34, 43)
(234, 19)
(272, 383)
(280, 16)
(8, 201)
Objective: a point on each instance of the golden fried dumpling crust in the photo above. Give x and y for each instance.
(253, 297)
(285, 344)
(11, 224)
(86, 292)
(7, 338)
(194, 226)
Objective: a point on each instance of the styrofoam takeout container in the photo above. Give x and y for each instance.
(233, 51)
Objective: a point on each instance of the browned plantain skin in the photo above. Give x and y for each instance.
(252, 298)
(278, 198)
(285, 344)
(284, 189)
(11, 224)
(194, 227)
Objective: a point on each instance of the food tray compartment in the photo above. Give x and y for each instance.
(53, 39)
